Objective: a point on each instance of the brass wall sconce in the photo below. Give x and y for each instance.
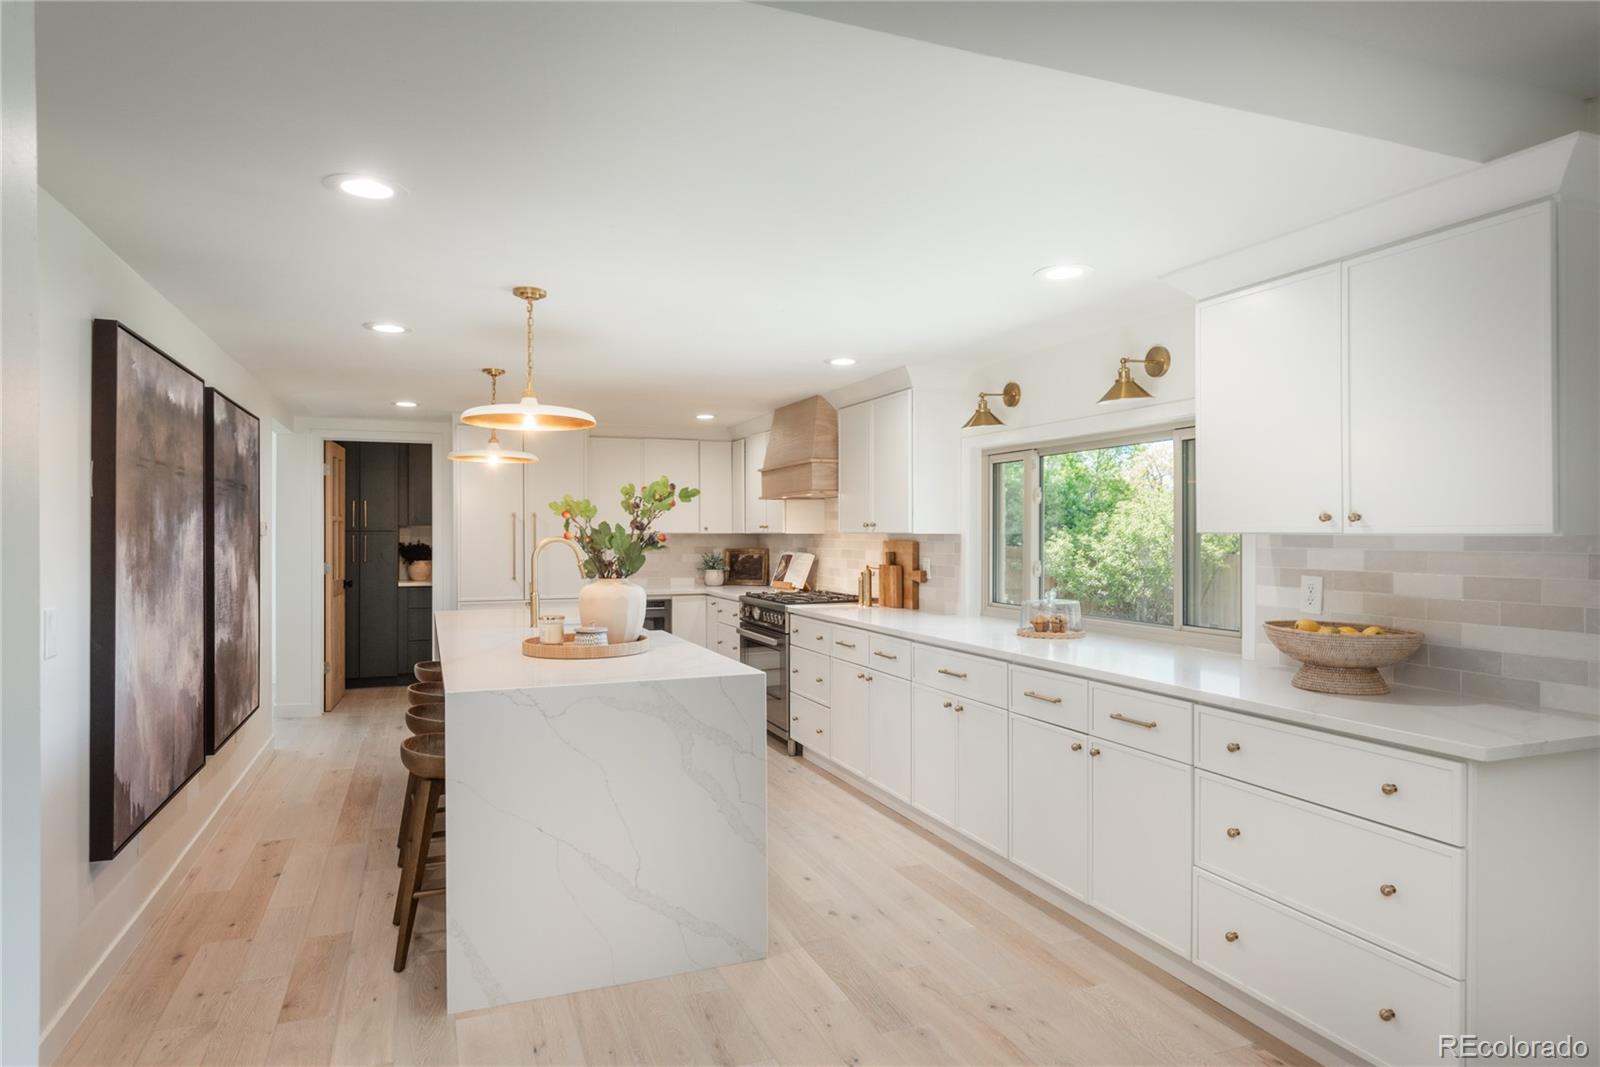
(1010, 396)
(1156, 362)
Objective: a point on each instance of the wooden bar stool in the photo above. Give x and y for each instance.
(422, 719)
(429, 671)
(423, 755)
(424, 692)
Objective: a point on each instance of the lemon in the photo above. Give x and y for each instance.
(1309, 626)
(1372, 631)
(1350, 630)
(1328, 630)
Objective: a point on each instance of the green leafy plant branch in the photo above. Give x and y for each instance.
(617, 550)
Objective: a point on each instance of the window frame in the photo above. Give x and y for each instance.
(1033, 520)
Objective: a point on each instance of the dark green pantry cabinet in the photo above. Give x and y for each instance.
(390, 487)
(416, 485)
(373, 480)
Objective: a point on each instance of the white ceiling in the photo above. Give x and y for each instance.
(717, 196)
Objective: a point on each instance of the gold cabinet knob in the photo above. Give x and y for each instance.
(869, 677)
(1095, 751)
(819, 679)
(1386, 1014)
(1233, 831)
(1231, 935)
(1387, 889)
(819, 729)
(1077, 746)
(1354, 516)
(1233, 746)
(1389, 789)
(960, 708)
(947, 703)
(1325, 517)
(861, 674)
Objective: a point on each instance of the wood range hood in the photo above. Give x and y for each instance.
(802, 461)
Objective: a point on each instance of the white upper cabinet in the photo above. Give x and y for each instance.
(1450, 363)
(1269, 422)
(563, 461)
(1410, 390)
(613, 463)
(760, 516)
(489, 522)
(716, 487)
(680, 462)
(875, 466)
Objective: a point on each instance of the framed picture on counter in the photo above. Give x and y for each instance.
(745, 566)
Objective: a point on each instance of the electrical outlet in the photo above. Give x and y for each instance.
(1311, 594)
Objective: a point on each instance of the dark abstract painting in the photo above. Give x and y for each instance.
(147, 584)
(233, 567)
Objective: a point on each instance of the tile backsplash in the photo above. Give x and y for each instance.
(1508, 619)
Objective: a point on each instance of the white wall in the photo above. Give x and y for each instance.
(93, 913)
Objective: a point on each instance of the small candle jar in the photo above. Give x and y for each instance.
(552, 629)
(589, 635)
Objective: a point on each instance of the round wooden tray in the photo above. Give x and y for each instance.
(1050, 635)
(570, 649)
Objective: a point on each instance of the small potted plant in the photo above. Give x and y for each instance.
(418, 557)
(614, 551)
(714, 566)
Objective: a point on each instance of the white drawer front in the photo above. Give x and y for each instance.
(890, 655)
(1380, 1006)
(1155, 724)
(1402, 891)
(808, 724)
(1053, 698)
(1424, 794)
(808, 674)
(974, 677)
(810, 635)
(849, 645)
(725, 640)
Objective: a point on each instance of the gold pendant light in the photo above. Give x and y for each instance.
(528, 413)
(1156, 361)
(493, 452)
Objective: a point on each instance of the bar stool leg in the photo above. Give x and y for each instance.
(405, 824)
(411, 877)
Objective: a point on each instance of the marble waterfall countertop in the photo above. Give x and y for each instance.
(1443, 724)
(608, 819)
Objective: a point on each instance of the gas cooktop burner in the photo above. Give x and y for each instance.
(796, 596)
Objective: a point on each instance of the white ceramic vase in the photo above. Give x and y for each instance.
(615, 603)
(714, 578)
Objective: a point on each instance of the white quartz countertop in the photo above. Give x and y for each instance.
(1439, 723)
(482, 650)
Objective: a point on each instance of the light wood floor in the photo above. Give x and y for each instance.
(886, 947)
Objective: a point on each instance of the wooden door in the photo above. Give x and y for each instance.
(335, 560)
(1269, 422)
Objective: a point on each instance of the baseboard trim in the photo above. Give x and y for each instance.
(1284, 1029)
(58, 1032)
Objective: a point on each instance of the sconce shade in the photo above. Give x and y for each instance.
(1010, 396)
(1156, 361)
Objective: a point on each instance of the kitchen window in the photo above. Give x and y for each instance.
(1111, 524)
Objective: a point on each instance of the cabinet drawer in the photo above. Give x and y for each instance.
(808, 674)
(850, 645)
(974, 677)
(1053, 698)
(890, 655)
(722, 609)
(1380, 1006)
(810, 634)
(1423, 794)
(809, 724)
(1155, 724)
(725, 640)
(1401, 891)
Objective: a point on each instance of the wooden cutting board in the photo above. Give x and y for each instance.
(904, 556)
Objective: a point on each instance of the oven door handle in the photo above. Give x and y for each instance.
(759, 639)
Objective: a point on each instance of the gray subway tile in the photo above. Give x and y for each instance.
(1578, 593)
(1428, 677)
(1504, 544)
(1478, 660)
(1433, 586)
(1545, 669)
(1304, 541)
(1413, 562)
(1384, 604)
(1492, 687)
(1591, 620)
(1482, 612)
(1360, 581)
(1542, 616)
(1520, 590)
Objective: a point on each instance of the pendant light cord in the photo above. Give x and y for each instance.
(528, 391)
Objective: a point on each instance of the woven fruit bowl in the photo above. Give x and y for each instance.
(1346, 664)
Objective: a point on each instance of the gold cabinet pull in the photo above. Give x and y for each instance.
(1233, 831)
(1146, 723)
(366, 519)
(886, 655)
(1354, 516)
(1231, 935)
(365, 544)
(1386, 1014)
(951, 673)
(513, 546)
(1389, 789)
(1233, 746)
(1077, 746)
(1041, 696)
(844, 644)
(1388, 889)
(1095, 751)
(1324, 517)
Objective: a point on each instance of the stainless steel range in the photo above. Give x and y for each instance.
(764, 630)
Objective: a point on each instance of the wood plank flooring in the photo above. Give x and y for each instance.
(887, 947)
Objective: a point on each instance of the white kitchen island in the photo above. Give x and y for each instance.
(606, 819)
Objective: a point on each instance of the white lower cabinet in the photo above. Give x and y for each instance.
(1386, 1008)
(933, 754)
(1141, 841)
(889, 735)
(983, 775)
(809, 723)
(725, 639)
(689, 618)
(1050, 803)
(850, 697)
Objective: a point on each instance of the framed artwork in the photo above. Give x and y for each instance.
(745, 566)
(147, 584)
(233, 567)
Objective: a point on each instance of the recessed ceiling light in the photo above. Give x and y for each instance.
(842, 361)
(363, 186)
(705, 416)
(385, 327)
(1061, 272)
(405, 403)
